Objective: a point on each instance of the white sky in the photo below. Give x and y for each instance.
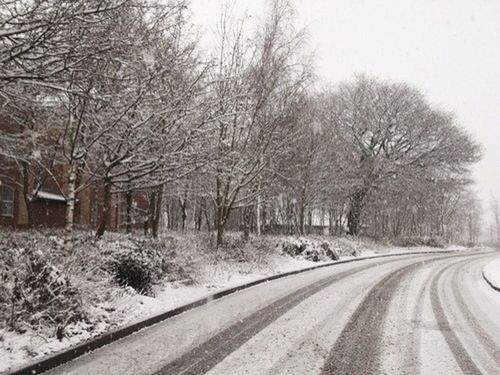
(449, 49)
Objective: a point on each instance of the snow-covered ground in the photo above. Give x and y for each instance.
(299, 337)
(492, 273)
(128, 307)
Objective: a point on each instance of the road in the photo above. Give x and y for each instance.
(425, 314)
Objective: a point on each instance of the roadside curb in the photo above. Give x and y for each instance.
(493, 286)
(488, 281)
(85, 347)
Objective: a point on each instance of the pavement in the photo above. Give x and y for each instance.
(427, 314)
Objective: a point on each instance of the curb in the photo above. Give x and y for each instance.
(85, 347)
(493, 286)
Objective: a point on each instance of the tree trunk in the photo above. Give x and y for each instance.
(331, 217)
(355, 208)
(128, 226)
(309, 222)
(183, 203)
(221, 214)
(151, 212)
(157, 212)
(26, 195)
(207, 215)
(258, 218)
(169, 209)
(302, 219)
(338, 223)
(263, 218)
(219, 227)
(198, 213)
(246, 222)
(106, 206)
(70, 207)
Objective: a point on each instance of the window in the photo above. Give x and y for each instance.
(7, 201)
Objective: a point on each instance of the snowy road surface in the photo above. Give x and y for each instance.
(428, 314)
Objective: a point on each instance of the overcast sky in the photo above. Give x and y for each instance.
(449, 49)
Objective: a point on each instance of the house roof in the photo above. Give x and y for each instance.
(49, 196)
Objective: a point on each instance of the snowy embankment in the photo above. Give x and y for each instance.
(193, 273)
(491, 272)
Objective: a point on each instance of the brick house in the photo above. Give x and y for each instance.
(46, 199)
(48, 207)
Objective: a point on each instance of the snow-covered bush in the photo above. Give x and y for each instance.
(351, 246)
(310, 249)
(293, 248)
(236, 248)
(330, 251)
(433, 242)
(145, 262)
(134, 270)
(418, 241)
(35, 292)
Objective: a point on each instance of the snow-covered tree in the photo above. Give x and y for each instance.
(257, 83)
(393, 133)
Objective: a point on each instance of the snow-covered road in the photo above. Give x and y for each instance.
(429, 314)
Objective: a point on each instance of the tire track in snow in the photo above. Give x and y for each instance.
(314, 347)
(414, 364)
(402, 334)
(358, 348)
(484, 349)
(299, 341)
(205, 356)
(461, 355)
(400, 339)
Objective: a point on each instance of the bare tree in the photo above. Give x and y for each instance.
(257, 82)
(37, 41)
(148, 113)
(393, 133)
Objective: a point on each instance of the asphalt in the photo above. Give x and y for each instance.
(428, 314)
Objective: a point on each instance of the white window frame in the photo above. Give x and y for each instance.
(8, 202)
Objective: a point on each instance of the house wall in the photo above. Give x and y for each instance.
(83, 207)
(21, 210)
(10, 175)
(48, 214)
(10, 220)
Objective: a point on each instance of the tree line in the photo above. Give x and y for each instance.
(243, 136)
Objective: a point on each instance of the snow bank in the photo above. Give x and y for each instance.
(491, 273)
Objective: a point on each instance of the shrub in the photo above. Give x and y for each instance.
(293, 248)
(310, 249)
(408, 242)
(36, 292)
(419, 241)
(329, 251)
(134, 270)
(433, 242)
(312, 254)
